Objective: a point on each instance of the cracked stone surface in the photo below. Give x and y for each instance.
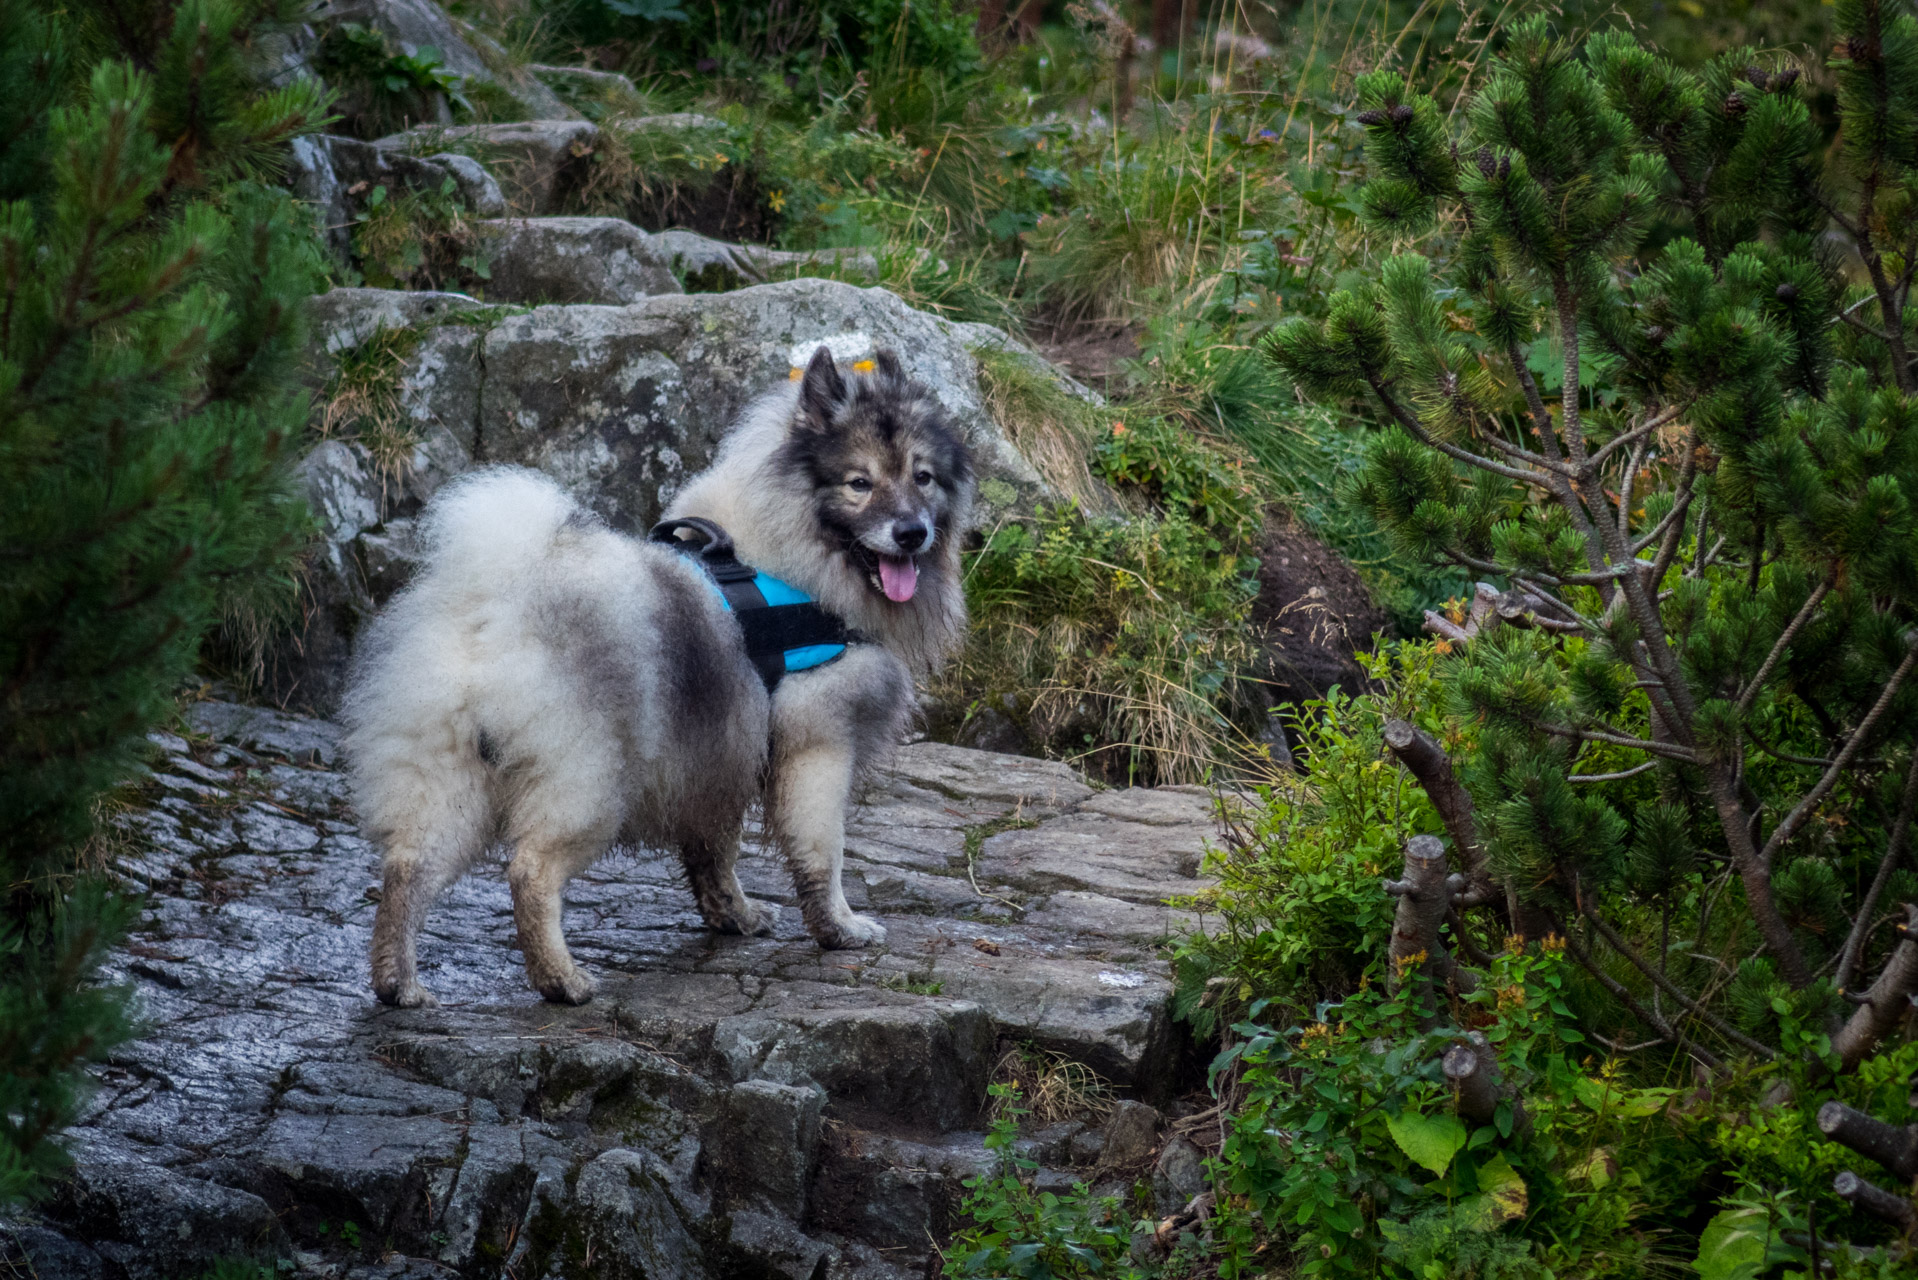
(724, 1107)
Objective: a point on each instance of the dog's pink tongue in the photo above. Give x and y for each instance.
(899, 576)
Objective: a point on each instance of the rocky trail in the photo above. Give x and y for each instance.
(724, 1107)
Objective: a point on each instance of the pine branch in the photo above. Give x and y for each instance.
(1471, 1068)
(1409, 420)
(1669, 750)
(1674, 533)
(1421, 754)
(1424, 897)
(1620, 776)
(1853, 949)
(1874, 1199)
(1813, 798)
(1665, 984)
(1666, 1032)
(1636, 435)
(1893, 1147)
(1785, 638)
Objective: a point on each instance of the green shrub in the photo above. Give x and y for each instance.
(1298, 916)
(1034, 1235)
(408, 239)
(382, 88)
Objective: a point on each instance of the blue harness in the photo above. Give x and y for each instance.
(786, 629)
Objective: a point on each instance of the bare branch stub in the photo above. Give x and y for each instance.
(1421, 754)
(1893, 1146)
(1875, 1200)
(1471, 1068)
(1418, 947)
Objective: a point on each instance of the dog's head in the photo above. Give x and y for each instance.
(891, 480)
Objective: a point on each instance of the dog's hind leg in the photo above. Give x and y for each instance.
(445, 830)
(808, 811)
(538, 874)
(710, 869)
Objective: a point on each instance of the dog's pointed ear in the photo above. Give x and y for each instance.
(821, 391)
(886, 365)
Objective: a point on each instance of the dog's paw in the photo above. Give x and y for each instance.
(755, 920)
(405, 995)
(574, 987)
(849, 932)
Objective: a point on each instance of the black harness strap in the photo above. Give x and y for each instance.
(770, 629)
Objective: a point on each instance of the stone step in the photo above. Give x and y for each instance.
(724, 1106)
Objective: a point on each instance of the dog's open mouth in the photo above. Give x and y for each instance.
(897, 577)
(894, 577)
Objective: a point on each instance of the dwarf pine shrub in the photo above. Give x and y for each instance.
(150, 293)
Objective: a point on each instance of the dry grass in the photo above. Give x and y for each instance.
(1051, 1087)
(362, 401)
(1052, 428)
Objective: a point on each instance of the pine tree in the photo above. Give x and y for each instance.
(1635, 389)
(150, 290)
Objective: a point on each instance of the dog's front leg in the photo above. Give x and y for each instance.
(810, 790)
(538, 874)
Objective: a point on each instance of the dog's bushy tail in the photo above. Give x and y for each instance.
(493, 525)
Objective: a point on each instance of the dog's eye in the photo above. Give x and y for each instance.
(858, 484)
(923, 479)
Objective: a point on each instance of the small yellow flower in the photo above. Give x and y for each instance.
(1552, 943)
(776, 201)
(1515, 944)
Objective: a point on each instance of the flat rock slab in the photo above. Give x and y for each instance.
(725, 1106)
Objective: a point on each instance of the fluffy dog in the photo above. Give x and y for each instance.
(548, 681)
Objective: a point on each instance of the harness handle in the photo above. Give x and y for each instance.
(714, 547)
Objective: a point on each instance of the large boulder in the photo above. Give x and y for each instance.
(538, 163)
(594, 94)
(621, 404)
(337, 176)
(600, 260)
(707, 265)
(469, 54)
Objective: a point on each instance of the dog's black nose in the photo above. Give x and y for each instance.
(910, 536)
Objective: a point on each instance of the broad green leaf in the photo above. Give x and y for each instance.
(1501, 1184)
(1599, 1168)
(1430, 1141)
(1733, 1245)
(1633, 1104)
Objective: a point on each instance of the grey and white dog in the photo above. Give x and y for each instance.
(550, 682)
